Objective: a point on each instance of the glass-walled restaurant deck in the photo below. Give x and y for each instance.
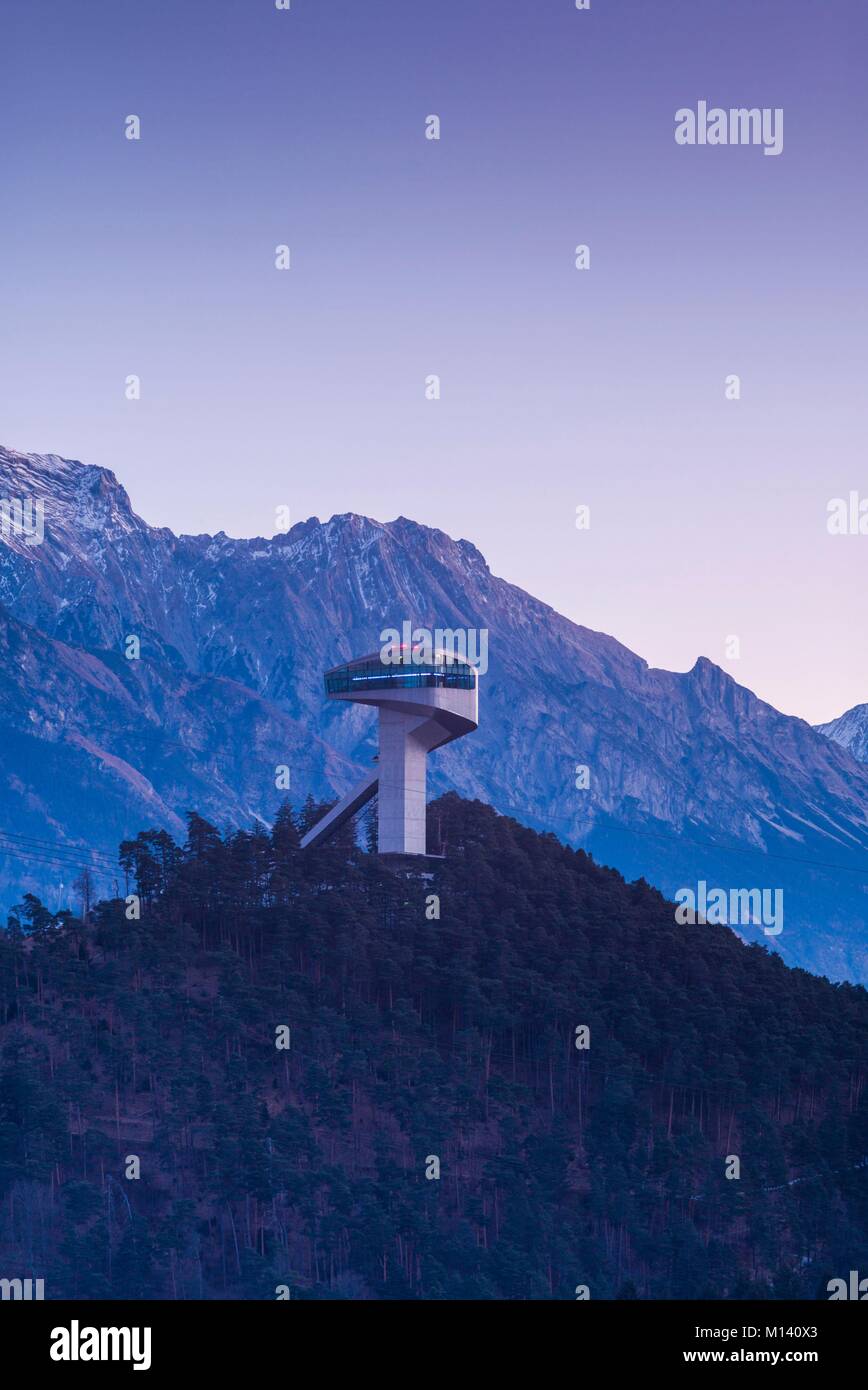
(374, 674)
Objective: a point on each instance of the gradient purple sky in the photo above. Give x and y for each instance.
(413, 257)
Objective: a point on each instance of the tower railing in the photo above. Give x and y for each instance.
(381, 677)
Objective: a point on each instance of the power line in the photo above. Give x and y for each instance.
(28, 852)
(41, 840)
(60, 860)
(33, 842)
(63, 865)
(55, 852)
(15, 851)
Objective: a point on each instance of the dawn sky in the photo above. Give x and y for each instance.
(412, 257)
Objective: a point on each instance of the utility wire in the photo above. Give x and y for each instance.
(70, 865)
(31, 842)
(17, 850)
(32, 846)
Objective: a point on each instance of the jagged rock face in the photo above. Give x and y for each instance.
(850, 730)
(691, 776)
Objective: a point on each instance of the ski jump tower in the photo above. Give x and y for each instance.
(422, 706)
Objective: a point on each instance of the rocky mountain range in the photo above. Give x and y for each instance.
(690, 777)
(850, 730)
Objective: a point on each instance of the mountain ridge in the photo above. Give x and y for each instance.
(850, 730)
(673, 756)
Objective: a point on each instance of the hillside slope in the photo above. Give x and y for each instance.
(415, 1038)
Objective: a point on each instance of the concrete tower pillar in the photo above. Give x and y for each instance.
(422, 705)
(405, 741)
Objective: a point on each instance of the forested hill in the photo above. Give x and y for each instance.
(412, 1039)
